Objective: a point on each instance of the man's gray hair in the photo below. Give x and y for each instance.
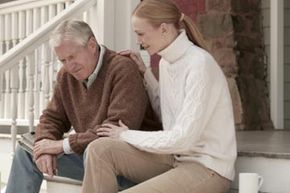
(72, 30)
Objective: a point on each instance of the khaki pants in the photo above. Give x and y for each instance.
(154, 173)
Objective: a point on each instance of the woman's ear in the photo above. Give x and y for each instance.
(164, 28)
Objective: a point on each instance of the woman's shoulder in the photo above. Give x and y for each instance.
(201, 61)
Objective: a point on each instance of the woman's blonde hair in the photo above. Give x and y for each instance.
(165, 11)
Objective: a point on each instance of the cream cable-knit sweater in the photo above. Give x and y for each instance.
(196, 110)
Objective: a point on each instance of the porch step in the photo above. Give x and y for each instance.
(6, 161)
(66, 185)
(268, 154)
(22, 126)
(263, 152)
(5, 156)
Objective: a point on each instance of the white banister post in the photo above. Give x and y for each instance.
(7, 38)
(45, 58)
(59, 7)
(21, 92)
(7, 31)
(2, 32)
(29, 30)
(7, 111)
(14, 28)
(14, 82)
(36, 25)
(68, 3)
(31, 74)
(14, 88)
(52, 12)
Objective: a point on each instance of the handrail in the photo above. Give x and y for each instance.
(30, 43)
(14, 6)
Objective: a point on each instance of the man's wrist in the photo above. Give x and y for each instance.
(66, 146)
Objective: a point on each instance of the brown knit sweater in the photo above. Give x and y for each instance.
(116, 94)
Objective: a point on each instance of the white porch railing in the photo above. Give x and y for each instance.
(27, 66)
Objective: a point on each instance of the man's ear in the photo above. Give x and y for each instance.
(92, 43)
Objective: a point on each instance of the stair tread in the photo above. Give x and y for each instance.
(269, 143)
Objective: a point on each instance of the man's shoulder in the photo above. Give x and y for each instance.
(117, 61)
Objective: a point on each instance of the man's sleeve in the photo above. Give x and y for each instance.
(53, 122)
(128, 102)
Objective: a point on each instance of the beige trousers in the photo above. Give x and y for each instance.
(154, 173)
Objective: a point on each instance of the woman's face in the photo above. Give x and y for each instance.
(148, 36)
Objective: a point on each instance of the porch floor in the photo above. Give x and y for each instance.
(267, 143)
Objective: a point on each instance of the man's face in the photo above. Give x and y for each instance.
(78, 60)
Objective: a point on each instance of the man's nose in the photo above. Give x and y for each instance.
(70, 65)
(139, 41)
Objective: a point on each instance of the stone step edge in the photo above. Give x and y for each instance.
(60, 179)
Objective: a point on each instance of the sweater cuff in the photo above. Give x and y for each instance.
(66, 147)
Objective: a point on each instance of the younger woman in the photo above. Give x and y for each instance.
(196, 151)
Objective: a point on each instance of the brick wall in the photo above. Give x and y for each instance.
(234, 34)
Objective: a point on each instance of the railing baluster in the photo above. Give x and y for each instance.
(14, 88)
(36, 25)
(29, 105)
(59, 7)
(7, 38)
(52, 12)
(14, 28)
(14, 81)
(45, 52)
(31, 73)
(29, 30)
(2, 39)
(2, 32)
(21, 91)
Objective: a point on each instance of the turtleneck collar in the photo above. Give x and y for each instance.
(177, 48)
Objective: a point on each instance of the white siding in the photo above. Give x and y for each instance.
(287, 64)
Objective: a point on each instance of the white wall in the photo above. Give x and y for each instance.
(112, 24)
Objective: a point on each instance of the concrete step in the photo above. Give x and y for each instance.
(66, 185)
(264, 152)
(22, 126)
(6, 161)
(268, 154)
(6, 156)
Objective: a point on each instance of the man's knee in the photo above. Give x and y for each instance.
(21, 154)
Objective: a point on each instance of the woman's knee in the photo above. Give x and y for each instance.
(101, 147)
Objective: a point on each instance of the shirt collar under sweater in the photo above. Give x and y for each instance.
(88, 82)
(176, 49)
